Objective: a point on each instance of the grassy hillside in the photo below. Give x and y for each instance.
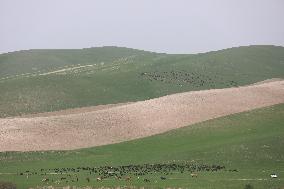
(47, 80)
(249, 145)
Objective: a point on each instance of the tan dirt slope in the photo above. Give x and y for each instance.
(135, 120)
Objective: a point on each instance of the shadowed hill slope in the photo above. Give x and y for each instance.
(47, 80)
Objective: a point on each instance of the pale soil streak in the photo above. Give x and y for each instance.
(67, 69)
(135, 120)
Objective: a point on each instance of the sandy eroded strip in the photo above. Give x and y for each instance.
(135, 120)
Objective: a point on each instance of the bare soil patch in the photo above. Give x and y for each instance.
(80, 128)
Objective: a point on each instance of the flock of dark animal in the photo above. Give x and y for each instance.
(126, 172)
(186, 78)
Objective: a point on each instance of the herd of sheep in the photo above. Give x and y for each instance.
(128, 173)
(195, 79)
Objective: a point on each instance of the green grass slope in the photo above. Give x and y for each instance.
(250, 142)
(46, 80)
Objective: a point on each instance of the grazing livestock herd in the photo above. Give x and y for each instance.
(194, 79)
(127, 173)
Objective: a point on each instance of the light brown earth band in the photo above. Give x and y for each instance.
(113, 124)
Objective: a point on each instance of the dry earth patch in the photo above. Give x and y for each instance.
(85, 127)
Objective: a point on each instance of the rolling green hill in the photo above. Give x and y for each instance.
(46, 80)
(249, 145)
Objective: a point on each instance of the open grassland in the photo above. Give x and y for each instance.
(47, 80)
(247, 147)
